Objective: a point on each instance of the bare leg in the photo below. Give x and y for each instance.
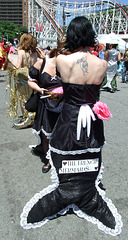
(46, 167)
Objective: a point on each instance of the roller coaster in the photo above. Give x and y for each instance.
(48, 19)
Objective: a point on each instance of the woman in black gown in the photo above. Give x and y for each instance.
(43, 78)
(76, 142)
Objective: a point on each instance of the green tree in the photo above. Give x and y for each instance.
(23, 29)
(9, 30)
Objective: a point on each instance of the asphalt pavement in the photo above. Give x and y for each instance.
(21, 175)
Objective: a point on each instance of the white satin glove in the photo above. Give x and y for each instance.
(84, 119)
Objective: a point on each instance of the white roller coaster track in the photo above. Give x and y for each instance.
(106, 16)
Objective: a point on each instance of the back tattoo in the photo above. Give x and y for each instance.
(83, 64)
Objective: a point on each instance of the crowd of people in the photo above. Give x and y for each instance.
(68, 124)
(117, 65)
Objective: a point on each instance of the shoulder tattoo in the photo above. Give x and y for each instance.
(83, 64)
(103, 64)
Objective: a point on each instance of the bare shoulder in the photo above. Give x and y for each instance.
(61, 57)
(66, 60)
(104, 64)
(61, 60)
(21, 52)
(38, 64)
(97, 62)
(101, 62)
(101, 66)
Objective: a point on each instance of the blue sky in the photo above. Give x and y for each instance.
(122, 1)
(125, 1)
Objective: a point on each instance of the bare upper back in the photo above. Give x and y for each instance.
(26, 59)
(81, 68)
(50, 65)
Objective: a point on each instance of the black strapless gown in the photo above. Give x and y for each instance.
(76, 169)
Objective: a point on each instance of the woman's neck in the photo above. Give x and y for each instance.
(82, 49)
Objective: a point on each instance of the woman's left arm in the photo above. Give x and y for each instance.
(35, 87)
(32, 83)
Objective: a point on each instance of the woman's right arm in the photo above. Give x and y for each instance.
(19, 60)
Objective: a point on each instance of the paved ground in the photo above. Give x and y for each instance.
(21, 175)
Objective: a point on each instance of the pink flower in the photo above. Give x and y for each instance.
(101, 110)
(58, 90)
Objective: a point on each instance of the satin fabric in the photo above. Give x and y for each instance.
(74, 187)
(64, 136)
(112, 64)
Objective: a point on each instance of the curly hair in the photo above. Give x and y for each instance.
(28, 42)
(80, 33)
